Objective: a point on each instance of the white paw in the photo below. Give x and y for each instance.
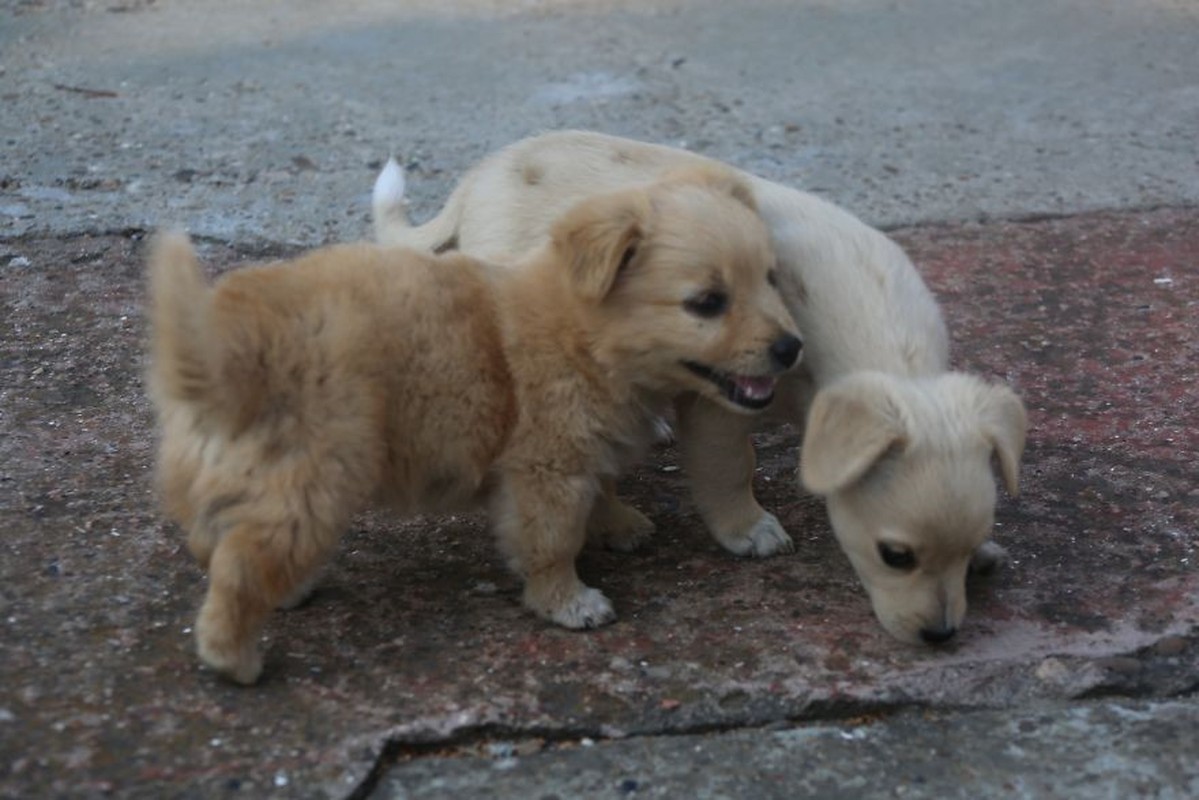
(987, 558)
(765, 537)
(587, 609)
(389, 186)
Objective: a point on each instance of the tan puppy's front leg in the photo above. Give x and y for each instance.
(719, 459)
(541, 524)
(615, 524)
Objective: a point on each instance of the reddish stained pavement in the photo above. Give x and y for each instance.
(416, 638)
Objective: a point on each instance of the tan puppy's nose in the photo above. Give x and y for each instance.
(938, 635)
(785, 350)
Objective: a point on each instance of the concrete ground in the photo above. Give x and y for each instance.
(1037, 159)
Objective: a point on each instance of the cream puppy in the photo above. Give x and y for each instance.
(898, 445)
(291, 395)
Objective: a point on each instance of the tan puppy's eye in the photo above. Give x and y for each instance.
(707, 304)
(772, 277)
(897, 556)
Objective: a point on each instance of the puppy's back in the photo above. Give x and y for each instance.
(264, 339)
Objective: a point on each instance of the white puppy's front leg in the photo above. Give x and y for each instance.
(719, 459)
(987, 558)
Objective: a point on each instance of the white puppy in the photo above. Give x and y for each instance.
(898, 445)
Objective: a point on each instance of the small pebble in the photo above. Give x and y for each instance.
(501, 749)
(1170, 646)
(1123, 665)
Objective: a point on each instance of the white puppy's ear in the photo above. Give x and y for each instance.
(599, 238)
(1004, 423)
(852, 423)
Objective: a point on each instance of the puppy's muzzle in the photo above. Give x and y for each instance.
(753, 392)
(785, 350)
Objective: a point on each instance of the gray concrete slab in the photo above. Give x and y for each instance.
(1110, 750)
(266, 121)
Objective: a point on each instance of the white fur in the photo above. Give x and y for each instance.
(387, 196)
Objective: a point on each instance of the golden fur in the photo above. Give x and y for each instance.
(290, 395)
(898, 445)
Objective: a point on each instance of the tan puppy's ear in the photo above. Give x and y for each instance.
(851, 424)
(717, 178)
(599, 237)
(1004, 423)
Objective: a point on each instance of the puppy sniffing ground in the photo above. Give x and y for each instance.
(291, 395)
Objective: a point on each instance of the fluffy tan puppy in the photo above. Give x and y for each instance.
(899, 446)
(290, 395)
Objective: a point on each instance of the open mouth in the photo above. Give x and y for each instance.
(748, 391)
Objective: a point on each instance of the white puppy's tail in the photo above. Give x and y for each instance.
(388, 205)
(389, 210)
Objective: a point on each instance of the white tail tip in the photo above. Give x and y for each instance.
(389, 187)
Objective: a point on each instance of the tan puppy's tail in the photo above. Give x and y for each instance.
(180, 350)
(389, 210)
(219, 369)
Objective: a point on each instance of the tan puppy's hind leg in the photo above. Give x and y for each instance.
(616, 524)
(302, 591)
(254, 569)
(719, 459)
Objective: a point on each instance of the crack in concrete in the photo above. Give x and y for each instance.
(845, 711)
(395, 750)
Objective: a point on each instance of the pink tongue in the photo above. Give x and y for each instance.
(755, 387)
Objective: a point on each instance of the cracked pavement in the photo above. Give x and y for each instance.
(1036, 161)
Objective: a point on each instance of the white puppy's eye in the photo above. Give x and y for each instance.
(897, 556)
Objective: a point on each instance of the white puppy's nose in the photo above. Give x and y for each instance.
(938, 635)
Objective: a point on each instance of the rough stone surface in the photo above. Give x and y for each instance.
(416, 636)
(268, 121)
(260, 126)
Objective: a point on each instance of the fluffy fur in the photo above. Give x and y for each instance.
(899, 445)
(290, 395)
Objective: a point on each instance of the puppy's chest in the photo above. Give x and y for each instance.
(583, 442)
